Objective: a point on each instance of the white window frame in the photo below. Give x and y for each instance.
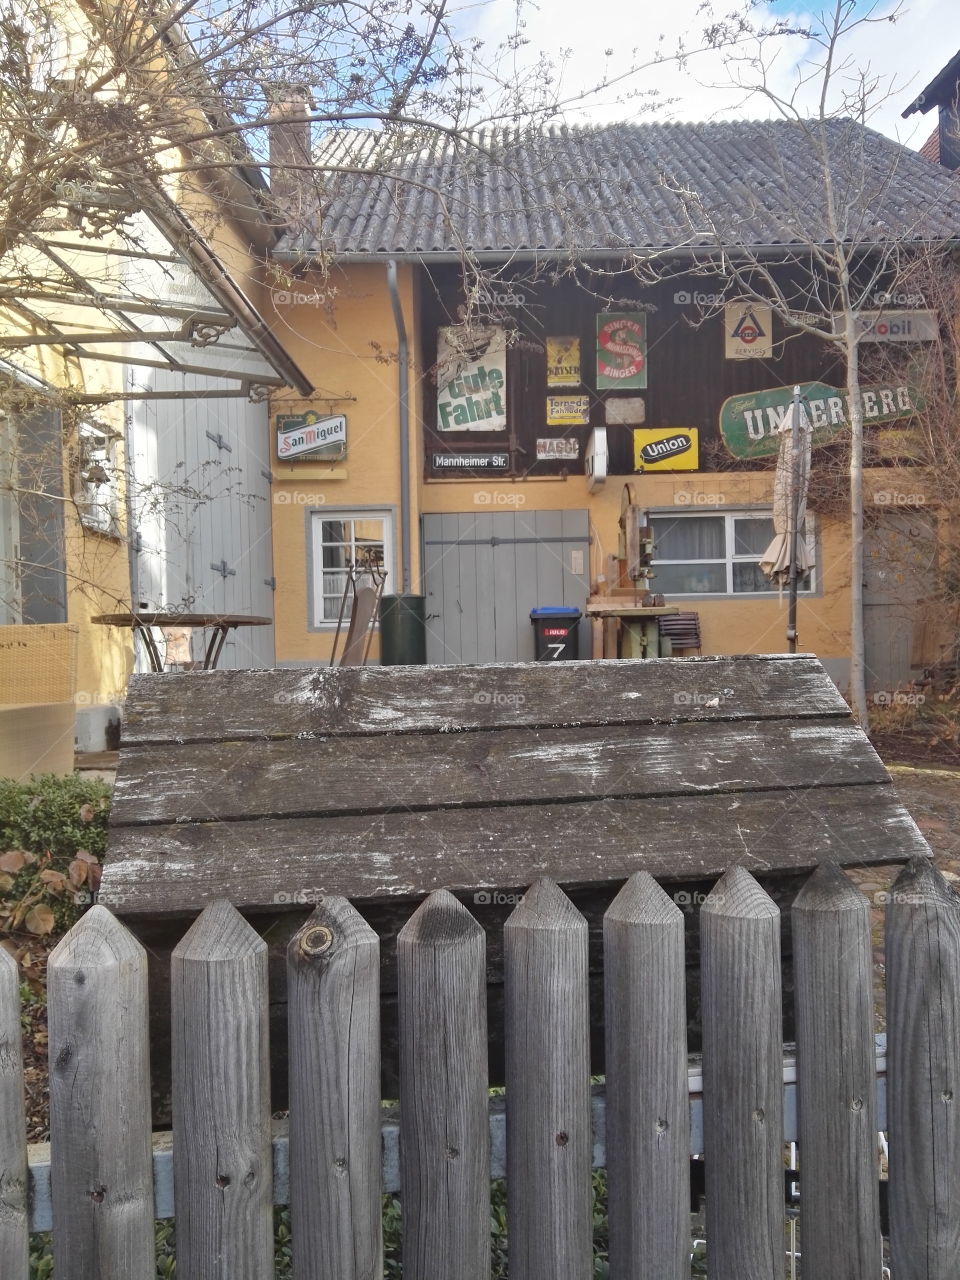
(730, 516)
(315, 539)
(98, 501)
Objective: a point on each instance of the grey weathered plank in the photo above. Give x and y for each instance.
(546, 1019)
(101, 1156)
(647, 1116)
(333, 992)
(218, 705)
(221, 1100)
(742, 1080)
(510, 766)
(176, 869)
(444, 1129)
(14, 1226)
(923, 1072)
(836, 1069)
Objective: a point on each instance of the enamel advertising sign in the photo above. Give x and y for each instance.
(563, 362)
(557, 447)
(751, 424)
(568, 411)
(307, 435)
(621, 351)
(666, 449)
(748, 330)
(472, 379)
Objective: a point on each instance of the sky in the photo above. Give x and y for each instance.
(604, 39)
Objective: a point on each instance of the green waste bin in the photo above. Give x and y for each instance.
(403, 630)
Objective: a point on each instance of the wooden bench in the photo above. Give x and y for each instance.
(274, 788)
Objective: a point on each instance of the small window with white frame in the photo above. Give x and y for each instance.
(342, 538)
(97, 478)
(718, 554)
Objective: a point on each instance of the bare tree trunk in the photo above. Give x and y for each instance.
(858, 692)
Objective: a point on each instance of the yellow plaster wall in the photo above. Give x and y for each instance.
(346, 342)
(342, 334)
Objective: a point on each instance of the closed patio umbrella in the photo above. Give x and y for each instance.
(787, 559)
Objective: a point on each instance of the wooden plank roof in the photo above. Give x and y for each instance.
(273, 787)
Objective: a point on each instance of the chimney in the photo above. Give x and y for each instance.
(290, 150)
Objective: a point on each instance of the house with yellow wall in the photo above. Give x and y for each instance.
(501, 283)
(135, 365)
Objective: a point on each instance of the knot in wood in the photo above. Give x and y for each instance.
(562, 1139)
(316, 940)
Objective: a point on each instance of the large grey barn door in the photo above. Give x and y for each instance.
(484, 572)
(899, 556)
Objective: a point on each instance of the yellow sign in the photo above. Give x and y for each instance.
(563, 362)
(568, 411)
(666, 449)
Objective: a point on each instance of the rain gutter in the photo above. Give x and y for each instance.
(404, 392)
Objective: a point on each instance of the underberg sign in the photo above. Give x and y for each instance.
(751, 424)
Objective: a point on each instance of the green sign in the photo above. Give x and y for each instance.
(621, 351)
(751, 424)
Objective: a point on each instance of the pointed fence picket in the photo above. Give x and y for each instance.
(333, 990)
(923, 1052)
(222, 1164)
(444, 1126)
(100, 1166)
(14, 1226)
(648, 1129)
(101, 1162)
(837, 1107)
(742, 1078)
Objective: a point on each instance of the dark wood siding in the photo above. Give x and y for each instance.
(688, 374)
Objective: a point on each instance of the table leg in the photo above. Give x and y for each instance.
(632, 638)
(651, 636)
(150, 644)
(215, 647)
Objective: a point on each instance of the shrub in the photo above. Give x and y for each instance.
(53, 833)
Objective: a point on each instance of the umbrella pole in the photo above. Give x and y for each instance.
(793, 532)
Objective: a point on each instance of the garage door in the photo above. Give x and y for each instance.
(485, 571)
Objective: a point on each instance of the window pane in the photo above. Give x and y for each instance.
(690, 538)
(690, 579)
(752, 536)
(335, 557)
(747, 576)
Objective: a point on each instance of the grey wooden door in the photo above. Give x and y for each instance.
(899, 555)
(485, 570)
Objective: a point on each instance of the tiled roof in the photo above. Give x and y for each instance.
(614, 187)
(931, 148)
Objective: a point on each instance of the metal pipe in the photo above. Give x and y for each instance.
(793, 514)
(404, 389)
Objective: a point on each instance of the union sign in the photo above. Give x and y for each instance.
(751, 424)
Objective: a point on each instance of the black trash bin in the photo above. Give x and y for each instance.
(556, 631)
(403, 630)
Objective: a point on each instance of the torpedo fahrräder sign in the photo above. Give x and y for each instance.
(751, 424)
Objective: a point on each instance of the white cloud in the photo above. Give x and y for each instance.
(603, 42)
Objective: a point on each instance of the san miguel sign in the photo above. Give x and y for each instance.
(751, 425)
(307, 435)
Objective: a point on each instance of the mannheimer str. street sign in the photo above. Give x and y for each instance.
(307, 435)
(751, 424)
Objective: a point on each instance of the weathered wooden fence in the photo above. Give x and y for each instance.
(109, 1177)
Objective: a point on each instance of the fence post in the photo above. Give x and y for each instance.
(742, 1079)
(100, 1146)
(547, 1020)
(333, 1011)
(444, 1124)
(14, 1227)
(648, 1119)
(836, 1078)
(221, 1100)
(923, 1074)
